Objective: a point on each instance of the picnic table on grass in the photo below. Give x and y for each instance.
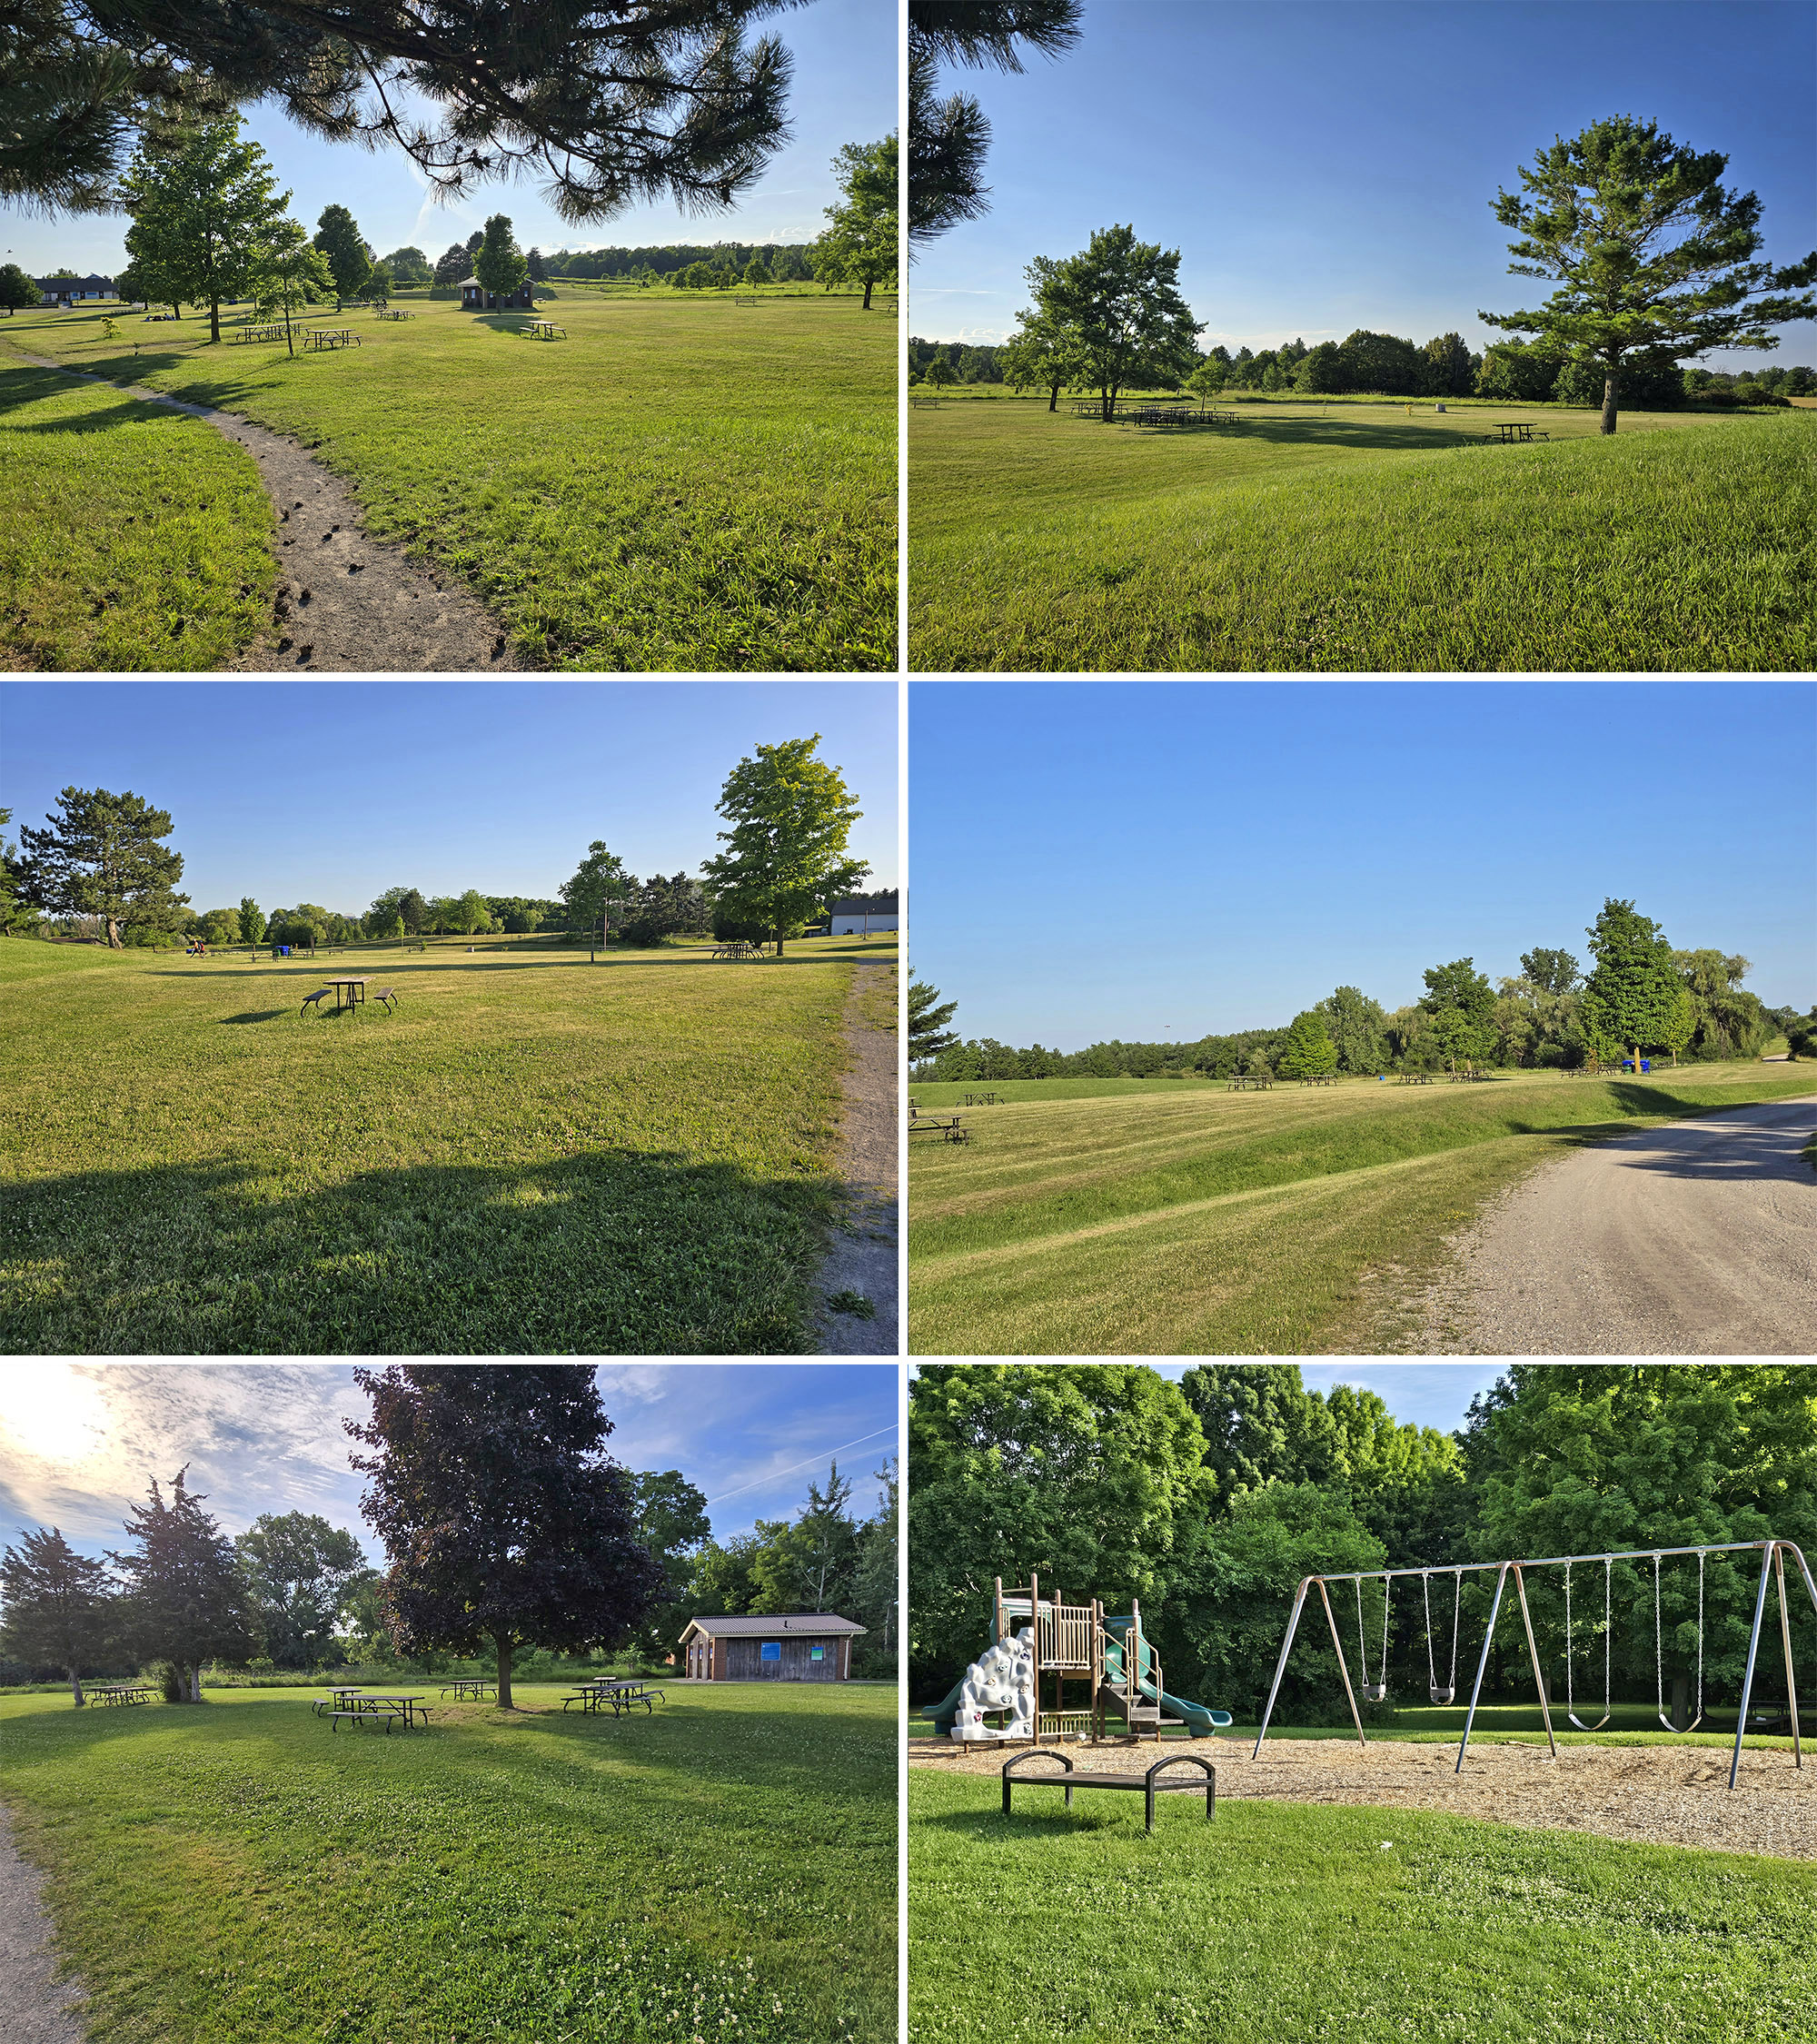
(1414, 1078)
(388, 313)
(617, 1694)
(949, 1129)
(1246, 1082)
(354, 991)
(470, 1687)
(330, 337)
(980, 1099)
(121, 1692)
(272, 332)
(545, 330)
(1320, 1079)
(1515, 430)
(364, 1706)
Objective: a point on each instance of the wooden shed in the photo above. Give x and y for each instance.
(476, 298)
(802, 1647)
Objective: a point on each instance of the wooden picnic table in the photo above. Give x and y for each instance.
(980, 1099)
(1320, 1079)
(546, 329)
(1242, 1082)
(386, 313)
(367, 1706)
(1147, 1784)
(949, 1128)
(1515, 430)
(330, 337)
(470, 1687)
(619, 1695)
(354, 991)
(1414, 1078)
(121, 1692)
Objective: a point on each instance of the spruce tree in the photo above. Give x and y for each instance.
(186, 1600)
(59, 1606)
(1632, 997)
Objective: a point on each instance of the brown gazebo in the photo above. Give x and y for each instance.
(476, 298)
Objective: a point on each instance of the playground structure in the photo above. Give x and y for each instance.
(1124, 1690)
(1773, 1553)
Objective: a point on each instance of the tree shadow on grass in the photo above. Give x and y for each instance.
(22, 387)
(1748, 1152)
(257, 1015)
(1353, 434)
(610, 1251)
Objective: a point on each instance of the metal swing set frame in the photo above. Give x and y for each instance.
(1773, 1553)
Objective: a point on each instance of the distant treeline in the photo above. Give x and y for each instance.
(785, 260)
(1445, 367)
(1537, 1018)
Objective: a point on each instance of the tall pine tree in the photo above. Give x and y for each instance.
(59, 1606)
(185, 1601)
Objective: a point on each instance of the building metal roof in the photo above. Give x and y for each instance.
(821, 1622)
(879, 904)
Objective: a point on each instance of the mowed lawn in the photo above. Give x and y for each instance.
(681, 483)
(1289, 1923)
(129, 535)
(238, 1874)
(1359, 536)
(533, 1154)
(1184, 1219)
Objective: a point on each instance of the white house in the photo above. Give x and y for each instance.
(862, 914)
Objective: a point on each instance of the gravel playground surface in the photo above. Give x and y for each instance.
(346, 602)
(1657, 1795)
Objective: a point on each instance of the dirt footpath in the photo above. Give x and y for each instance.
(1696, 1238)
(862, 1258)
(346, 602)
(1659, 1795)
(32, 1999)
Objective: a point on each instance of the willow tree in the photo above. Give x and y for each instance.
(1655, 259)
(506, 1523)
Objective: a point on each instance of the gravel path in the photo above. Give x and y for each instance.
(1695, 1238)
(31, 1998)
(346, 602)
(863, 1253)
(1661, 1795)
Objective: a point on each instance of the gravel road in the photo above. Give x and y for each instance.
(345, 603)
(863, 1255)
(1695, 1238)
(32, 1999)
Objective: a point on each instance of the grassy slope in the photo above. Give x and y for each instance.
(1281, 1923)
(531, 1153)
(682, 483)
(130, 536)
(240, 1874)
(1364, 539)
(1212, 1223)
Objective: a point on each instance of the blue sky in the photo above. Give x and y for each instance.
(332, 791)
(1161, 860)
(79, 1441)
(1329, 165)
(845, 90)
(1417, 1394)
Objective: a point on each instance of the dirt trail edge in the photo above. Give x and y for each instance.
(346, 602)
(863, 1253)
(1695, 1238)
(32, 1999)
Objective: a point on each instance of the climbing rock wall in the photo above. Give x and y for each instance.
(1001, 1680)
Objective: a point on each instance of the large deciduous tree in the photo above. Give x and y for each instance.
(1118, 304)
(1460, 1007)
(186, 1600)
(1309, 1052)
(345, 249)
(859, 241)
(1655, 260)
(586, 894)
(608, 103)
(501, 265)
(673, 1523)
(100, 856)
(949, 138)
(1042, 351)
(58, 1608)
(202, 212)
(784, 859)
(299, 1571)
(505, 1522)
(1632, 997)
(18, 291)
(1354, 1024)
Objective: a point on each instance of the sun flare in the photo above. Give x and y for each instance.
(51, 1411)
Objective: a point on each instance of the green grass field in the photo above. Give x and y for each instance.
(533, 1154)
(237, 1874)
(1354, 536)
(1190, 1220)
(682, 483)
(130, 536)
(1289, 1923)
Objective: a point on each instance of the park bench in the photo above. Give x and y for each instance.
(387, 998)
(312, 1000)
(1148, 1785)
